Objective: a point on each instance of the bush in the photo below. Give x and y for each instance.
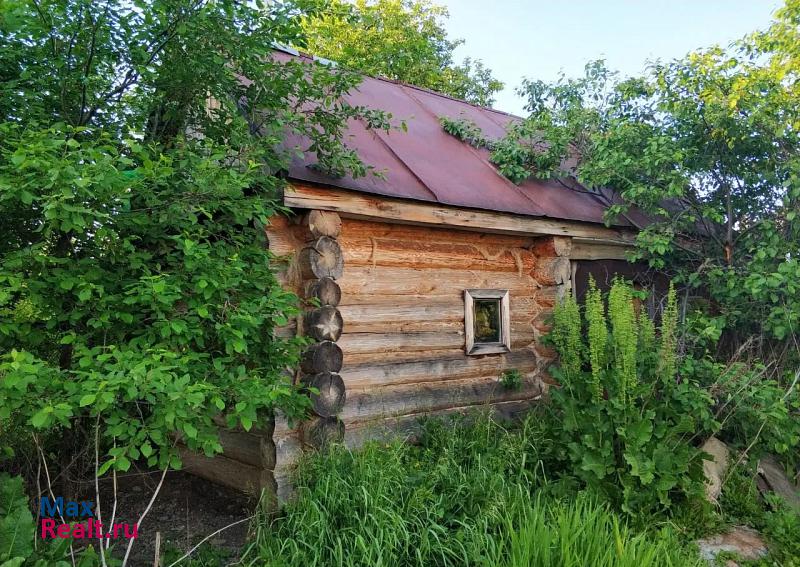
(624, 416)
(753, 409)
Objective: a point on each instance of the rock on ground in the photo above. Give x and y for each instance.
(778, 482)
(744, 541)
(715, 468)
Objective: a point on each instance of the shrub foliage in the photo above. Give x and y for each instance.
(625, 418)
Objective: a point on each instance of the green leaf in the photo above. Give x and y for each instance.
(122, 463)
(247, 423)
(41, 417)
(190, 430)
(87, 400)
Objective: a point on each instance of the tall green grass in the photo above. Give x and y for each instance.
(471, 493)
(580, 533)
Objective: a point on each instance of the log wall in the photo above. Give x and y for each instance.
(402, 311)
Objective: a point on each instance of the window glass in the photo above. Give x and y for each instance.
(487, 320)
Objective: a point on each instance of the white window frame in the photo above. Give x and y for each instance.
(478, 348)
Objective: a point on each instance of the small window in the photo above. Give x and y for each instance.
(487, 321)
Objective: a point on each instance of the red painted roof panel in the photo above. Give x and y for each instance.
(425, 163)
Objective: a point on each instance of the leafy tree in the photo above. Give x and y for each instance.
(707, 145)
(138, 168)
(402, 40)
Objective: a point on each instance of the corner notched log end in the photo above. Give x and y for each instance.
(329, 396)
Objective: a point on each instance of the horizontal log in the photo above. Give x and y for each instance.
(521, 336)
(330, 396)
(324, 323)
(553, 271)
(362, 280)
(595, 251)
(369, 403)
(367, 358)
(255, 450)
(358, 205)
(549, 246)
(321, 259)
(393, 342)
(318, 223)
(360, 228)
(422, 252)
(457, 367)
(227, 472)
(286, 331)
(421, 319)
(326, 356)
(408, 427)
(281, 237)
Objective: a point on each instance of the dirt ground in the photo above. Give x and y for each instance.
(187, 510)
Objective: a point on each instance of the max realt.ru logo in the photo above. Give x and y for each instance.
(76, 519)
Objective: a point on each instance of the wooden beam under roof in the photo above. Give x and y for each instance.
(371, 207)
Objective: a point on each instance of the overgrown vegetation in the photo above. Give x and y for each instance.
(142, 151)
(628, 417)
(137, 171)
(471, 493)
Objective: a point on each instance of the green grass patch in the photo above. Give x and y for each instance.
(470, 493)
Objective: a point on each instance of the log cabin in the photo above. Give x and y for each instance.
(423, 285)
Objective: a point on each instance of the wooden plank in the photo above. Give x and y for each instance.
(358, 205)
(364, 404)
(456, 367)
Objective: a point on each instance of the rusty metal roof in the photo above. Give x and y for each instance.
(425, 163)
